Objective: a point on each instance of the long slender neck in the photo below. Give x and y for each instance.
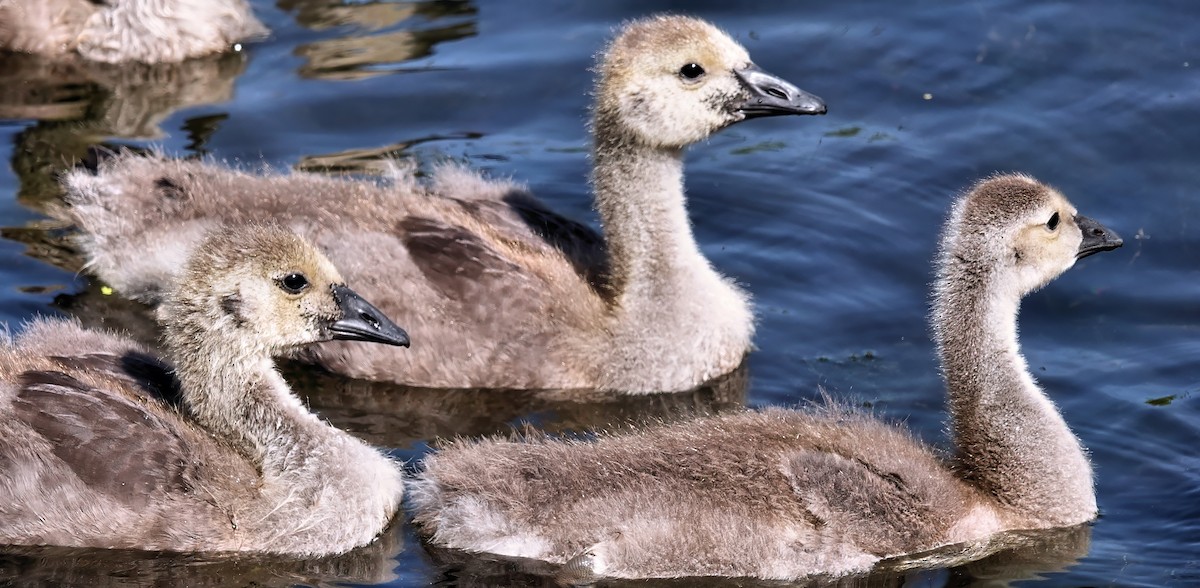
(640, 199)
(667, 300)
(238, 395)
(1010, 439)
(310, 470)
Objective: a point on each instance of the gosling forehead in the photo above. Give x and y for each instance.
(1011, 197)
(657, 43)
(266, 250)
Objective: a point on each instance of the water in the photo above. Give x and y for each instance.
(830, 222)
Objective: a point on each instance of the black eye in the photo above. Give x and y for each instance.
(293, 283)
(1053, 222)
(691, 71)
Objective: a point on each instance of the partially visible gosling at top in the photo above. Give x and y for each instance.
(510, 294)
(118, 31)
(106, 445)
(783, 494)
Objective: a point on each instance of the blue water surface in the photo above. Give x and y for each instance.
(831, 222)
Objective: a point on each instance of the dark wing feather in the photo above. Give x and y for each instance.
(583, 246)
(142, 371)
(454, 260)
(115, 443)
(528, 219)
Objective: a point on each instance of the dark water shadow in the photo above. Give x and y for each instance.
(402, 417)
(61, 566)
(1000, 561)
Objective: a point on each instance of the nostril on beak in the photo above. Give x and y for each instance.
(776, 92)
(1097, 232)
(370, 320)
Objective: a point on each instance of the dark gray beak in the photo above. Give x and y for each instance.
(773, 96)
(1096, 237)
(363, 322)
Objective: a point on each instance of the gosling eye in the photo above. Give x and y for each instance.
(1052, 224)
(293, 283)
(691, 71)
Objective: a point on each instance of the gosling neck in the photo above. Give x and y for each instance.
(640, 200)
(233, 390)
(1011, 441)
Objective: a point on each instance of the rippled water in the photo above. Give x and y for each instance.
(831, 222)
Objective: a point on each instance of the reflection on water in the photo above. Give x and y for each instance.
(371, 16)
(81, 104)
(1010, 557)
(59, 566)
(357, 56)
(377, 160)
(127, 101)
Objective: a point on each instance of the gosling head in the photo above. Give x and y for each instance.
(1028, 232)
(670, 81)
(264, 289)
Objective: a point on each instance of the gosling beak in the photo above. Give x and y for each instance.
(363, 322)
(773, 96)
(1096, 237)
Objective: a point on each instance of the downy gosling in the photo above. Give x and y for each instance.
(783, 494)
(106, 445)
(501, 291)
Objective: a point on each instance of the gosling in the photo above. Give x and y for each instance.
(106, 445)
(511, 294)
(783, 494)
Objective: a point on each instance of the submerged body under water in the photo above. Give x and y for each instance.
(829, 222)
